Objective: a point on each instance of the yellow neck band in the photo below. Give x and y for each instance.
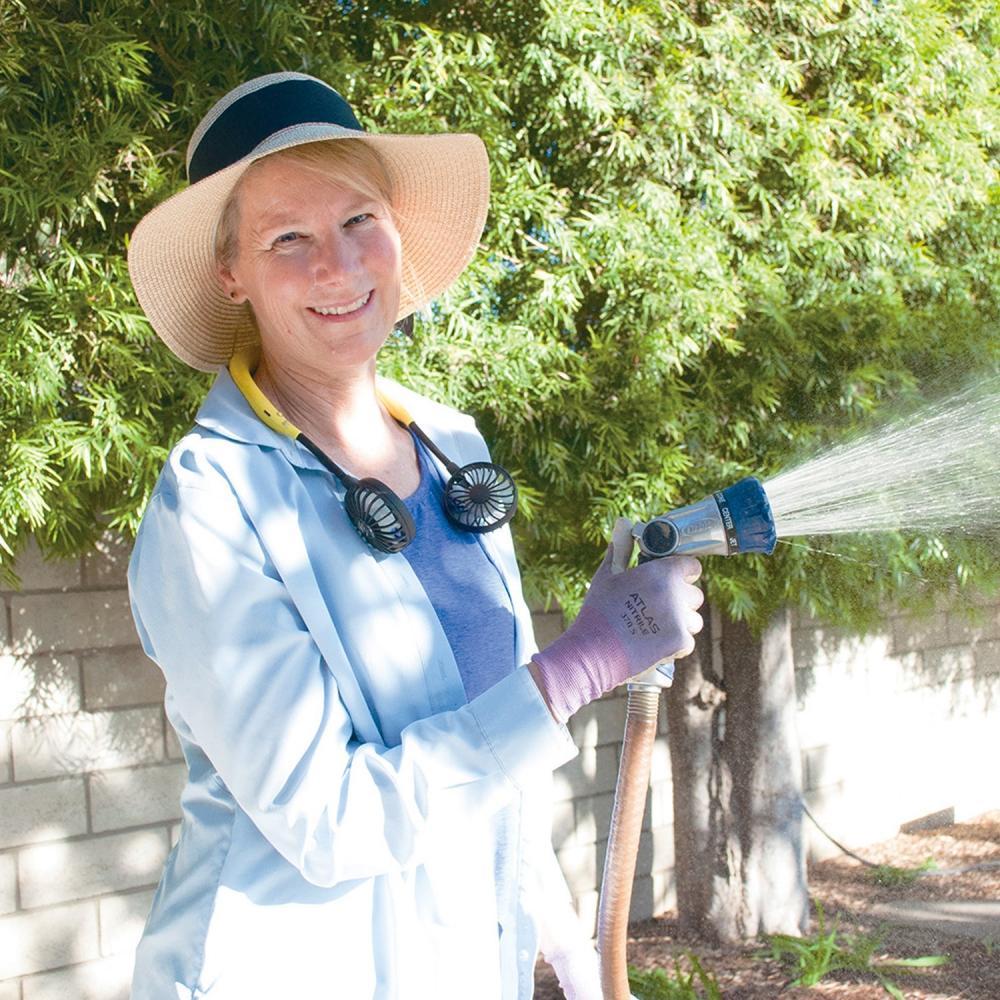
(242, 364)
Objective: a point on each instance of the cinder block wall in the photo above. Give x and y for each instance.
(90, 780)
(901, 725)
(893, 727)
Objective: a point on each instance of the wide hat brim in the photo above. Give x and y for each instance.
(440, 187)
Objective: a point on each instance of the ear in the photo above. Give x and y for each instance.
(230, 284)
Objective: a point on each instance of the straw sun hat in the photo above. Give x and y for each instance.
(440, 187)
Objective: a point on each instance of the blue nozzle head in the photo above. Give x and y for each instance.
(747, 513)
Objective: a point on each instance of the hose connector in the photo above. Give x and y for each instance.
(735, 520)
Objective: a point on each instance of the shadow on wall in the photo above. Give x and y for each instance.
(52, 732)
(582, 808)
(956, 647)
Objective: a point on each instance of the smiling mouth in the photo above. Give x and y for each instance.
(342, 310)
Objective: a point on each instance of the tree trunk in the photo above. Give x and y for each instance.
(740, 856)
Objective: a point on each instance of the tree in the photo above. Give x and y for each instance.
(739, 845)
(721, 234)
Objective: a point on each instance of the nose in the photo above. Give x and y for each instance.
(334, 259)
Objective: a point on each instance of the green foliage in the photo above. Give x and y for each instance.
(812, 958)
(658, 984)
(892, 877)
(721, 234)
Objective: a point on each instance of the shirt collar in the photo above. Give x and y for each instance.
(226, 412)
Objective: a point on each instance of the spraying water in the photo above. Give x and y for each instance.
(935, 470)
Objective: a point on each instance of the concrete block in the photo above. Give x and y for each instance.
(641, 903)
(584, 823)
(974, 698)
(106, 565)
(817, 768)
(894, 674)
(48, 939)
(806, 649)
(38, 573)
(659, 764)
(86, 741)
(580, 866)
(48, 810)
(643, 856)
(664, 891)
(661, 803)
(122, 919)
(593, 770)
(106, 979)
(8, 883)
(6, 771)
(116, 678)
(38, 685)
(601, 808)
(564, 825)
(587, 903)
(4, 624)
(10, 989)
(974, 623)
(548, 626)
(944, 665)
(910, 633)
(54, 873)
(601, 723)
(92, 619)
(987, 658)
(136, 796)
(174, 751)
(662, 839)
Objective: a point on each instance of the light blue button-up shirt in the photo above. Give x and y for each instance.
(353, 827)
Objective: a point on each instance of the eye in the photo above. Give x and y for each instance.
(356, 220)
(285, 238)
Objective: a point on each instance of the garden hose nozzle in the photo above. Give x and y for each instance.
(730, 521)
(733, 520)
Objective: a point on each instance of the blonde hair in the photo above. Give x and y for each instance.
(351, 162)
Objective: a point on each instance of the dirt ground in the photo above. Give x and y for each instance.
(847, 892)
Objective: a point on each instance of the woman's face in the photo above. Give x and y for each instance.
(319, 263)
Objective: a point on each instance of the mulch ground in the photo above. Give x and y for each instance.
(847, 892)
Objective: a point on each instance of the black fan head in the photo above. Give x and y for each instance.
(480, 497)
(379, 516)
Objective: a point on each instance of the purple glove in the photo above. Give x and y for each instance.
(579, 974)
(629, 621)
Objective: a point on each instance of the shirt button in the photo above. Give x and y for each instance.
(524, 954)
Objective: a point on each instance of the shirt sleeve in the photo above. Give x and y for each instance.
(562, 938)
(254, 691)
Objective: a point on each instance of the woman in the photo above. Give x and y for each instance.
(325, 576)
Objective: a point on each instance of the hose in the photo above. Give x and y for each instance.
(641, 711)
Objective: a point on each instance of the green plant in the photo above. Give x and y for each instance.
(658, 984)
(892, 877)
(720, 233)
(827, 950)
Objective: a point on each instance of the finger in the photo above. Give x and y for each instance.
(690, 568)
(695, 623)
(686, 650)
(607, 562)
(694, 597)
(622, 543)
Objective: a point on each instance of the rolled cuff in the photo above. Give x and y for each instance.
(520, 730)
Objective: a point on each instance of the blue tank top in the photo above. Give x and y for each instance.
(464, 587)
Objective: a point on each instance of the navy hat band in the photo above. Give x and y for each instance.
(247, 122)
